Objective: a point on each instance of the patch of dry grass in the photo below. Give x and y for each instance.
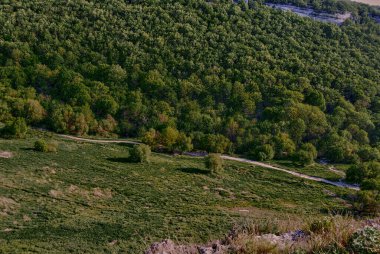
(7, 206)
(333, 232)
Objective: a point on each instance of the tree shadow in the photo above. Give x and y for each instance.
(120, 160)
(28, 149)
(193, 171)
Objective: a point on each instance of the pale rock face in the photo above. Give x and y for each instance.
(169, 247)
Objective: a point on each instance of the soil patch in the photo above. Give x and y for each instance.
(6, 155)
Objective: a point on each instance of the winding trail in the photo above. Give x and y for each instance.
(100, 141)
(313, 178)
(225, 157)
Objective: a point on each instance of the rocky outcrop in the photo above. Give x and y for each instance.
(169, 247)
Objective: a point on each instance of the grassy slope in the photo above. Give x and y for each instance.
(60, 207)
(315, 169)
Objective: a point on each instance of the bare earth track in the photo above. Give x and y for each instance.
(226, 157)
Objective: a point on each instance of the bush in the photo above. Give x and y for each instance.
(368, 202)
(307, 154)
(264, 152)
(358, 173)
(365, 241)
(214, 163)
(16, 129)
(52, 147)
(304, 157)
(43, 146)
(321, 226)
(40, 146)
(140, 153)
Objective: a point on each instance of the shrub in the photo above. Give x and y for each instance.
(16, 129)
(52, 147)
(304, 157)
(140, 153)
(214, 163)
(40, 146)
(321, 226)
(265, 152)
(43, 146)
(183, 143)
(368, 202)
(358, 173)
(307, 154)
(365, 241)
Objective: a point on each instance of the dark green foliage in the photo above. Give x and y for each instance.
(225, 74)
(15, 129)
(367, 153)
(140, 153)
(368, 175)
(41, 146)
(214, 163)
(264, 152)
(358, 173)
(307, 154)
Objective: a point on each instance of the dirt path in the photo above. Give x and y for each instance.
(313, 178)
(100, 141)
(261, 164)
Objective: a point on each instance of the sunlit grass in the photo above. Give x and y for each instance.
(88, 198)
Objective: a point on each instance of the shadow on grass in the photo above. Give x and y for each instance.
(27, 149)
(193, 171)
(120, 160)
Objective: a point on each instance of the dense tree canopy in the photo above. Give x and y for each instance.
(226, 77)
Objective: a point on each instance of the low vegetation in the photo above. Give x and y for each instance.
(333, 234)
(43, 146)
(91, 198)
(337, 234)
(214, 163)
(140, 153)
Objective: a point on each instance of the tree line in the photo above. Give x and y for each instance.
(192, 74)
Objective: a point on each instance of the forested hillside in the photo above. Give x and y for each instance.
(224, 77)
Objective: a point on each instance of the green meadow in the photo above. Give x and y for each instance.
(87, 198)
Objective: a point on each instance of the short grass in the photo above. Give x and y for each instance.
(315, 169)
(88, 199)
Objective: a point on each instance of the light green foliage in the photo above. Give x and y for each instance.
(140, 153)
(43, 146)
(34, 112)
(214, 163)
(365, 241)
(170, 138)
(151, 138)
(284, 146)
(183, 143)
